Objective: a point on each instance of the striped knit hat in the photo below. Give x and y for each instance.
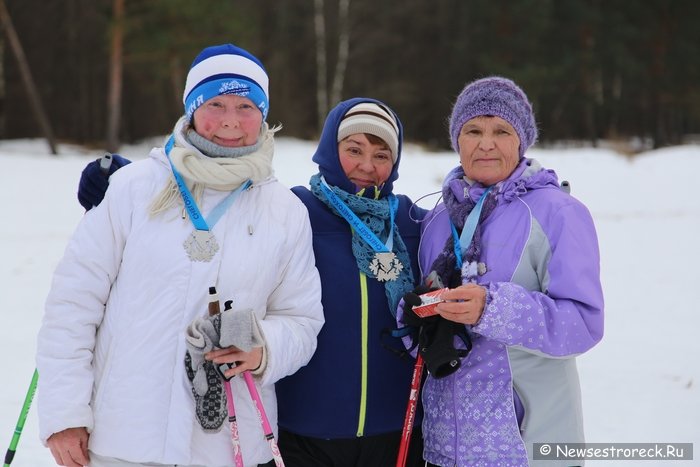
(375, 119)
(225, 69)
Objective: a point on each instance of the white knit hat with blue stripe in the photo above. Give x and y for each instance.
(226, 69)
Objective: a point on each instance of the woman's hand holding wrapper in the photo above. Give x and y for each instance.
(435, 336)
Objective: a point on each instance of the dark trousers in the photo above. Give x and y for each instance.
(365, 451)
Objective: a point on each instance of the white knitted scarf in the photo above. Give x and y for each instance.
(219, 173)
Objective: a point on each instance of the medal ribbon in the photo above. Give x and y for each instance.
(360, 227)
(462, 242)
(191, 206)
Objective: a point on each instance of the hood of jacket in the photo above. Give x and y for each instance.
(328, 159)
(528, 175)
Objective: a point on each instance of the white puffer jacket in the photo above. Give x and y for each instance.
(118, 369)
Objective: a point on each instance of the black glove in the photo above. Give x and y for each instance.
(436, 345)
(416, 326)
(435, 336)
(412, 299)
(93, 181)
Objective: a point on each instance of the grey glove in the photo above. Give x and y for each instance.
(231, 328)
(240, 329)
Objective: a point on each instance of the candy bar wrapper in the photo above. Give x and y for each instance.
(429, 302)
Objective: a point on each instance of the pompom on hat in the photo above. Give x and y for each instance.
(374, 119)
(226, 69)
(499, 97)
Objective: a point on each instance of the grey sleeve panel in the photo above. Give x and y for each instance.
(531, 271)
(545, 412)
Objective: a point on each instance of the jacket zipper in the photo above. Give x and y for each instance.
(364, 338)
(364, 327)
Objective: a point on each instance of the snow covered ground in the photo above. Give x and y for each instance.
(640, 384)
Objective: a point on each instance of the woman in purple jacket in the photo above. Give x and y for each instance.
(520, 258)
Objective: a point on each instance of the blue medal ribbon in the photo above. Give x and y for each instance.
(462, 242)
(199, 222)
(356, 223)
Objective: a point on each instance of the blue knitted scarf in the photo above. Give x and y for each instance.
(375, 214)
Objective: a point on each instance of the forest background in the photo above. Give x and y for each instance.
(108, 72)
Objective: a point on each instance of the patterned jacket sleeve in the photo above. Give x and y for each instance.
(565, 318)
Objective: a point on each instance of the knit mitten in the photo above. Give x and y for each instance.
(93, 181)
(208, 392)
(231, 328)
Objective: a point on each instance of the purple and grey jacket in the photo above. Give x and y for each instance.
(519, 384)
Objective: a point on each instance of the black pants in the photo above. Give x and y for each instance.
(366, 451)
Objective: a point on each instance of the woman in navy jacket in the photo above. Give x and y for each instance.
(346, 407)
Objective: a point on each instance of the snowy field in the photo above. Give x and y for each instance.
(640, 384)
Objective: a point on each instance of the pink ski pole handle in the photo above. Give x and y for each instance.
(267, 429)
(410, 412)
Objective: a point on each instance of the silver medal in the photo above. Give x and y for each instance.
(201, 245)
(386, 266)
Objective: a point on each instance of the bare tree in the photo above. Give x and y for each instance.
(338, 79)
(321, 69)
(27, 79)
(343, 50)
(115, 76)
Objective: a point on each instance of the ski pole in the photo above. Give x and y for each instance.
(106, 163)
(253, 391)
(22, 418)
(235, 440)
(410, 412)
(214, 309)
(267, 429)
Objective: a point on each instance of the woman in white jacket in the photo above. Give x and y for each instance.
(203, 211)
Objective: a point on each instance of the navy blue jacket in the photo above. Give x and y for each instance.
(353, 386)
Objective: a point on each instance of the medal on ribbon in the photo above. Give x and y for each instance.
(385, 265)
(461, 242)
(201, 244)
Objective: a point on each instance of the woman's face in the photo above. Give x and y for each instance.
(228, 120)
(488, 149)
(364, 163)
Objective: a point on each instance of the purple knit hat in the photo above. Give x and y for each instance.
(499, 97)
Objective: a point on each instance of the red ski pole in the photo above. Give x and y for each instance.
(410, 412)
